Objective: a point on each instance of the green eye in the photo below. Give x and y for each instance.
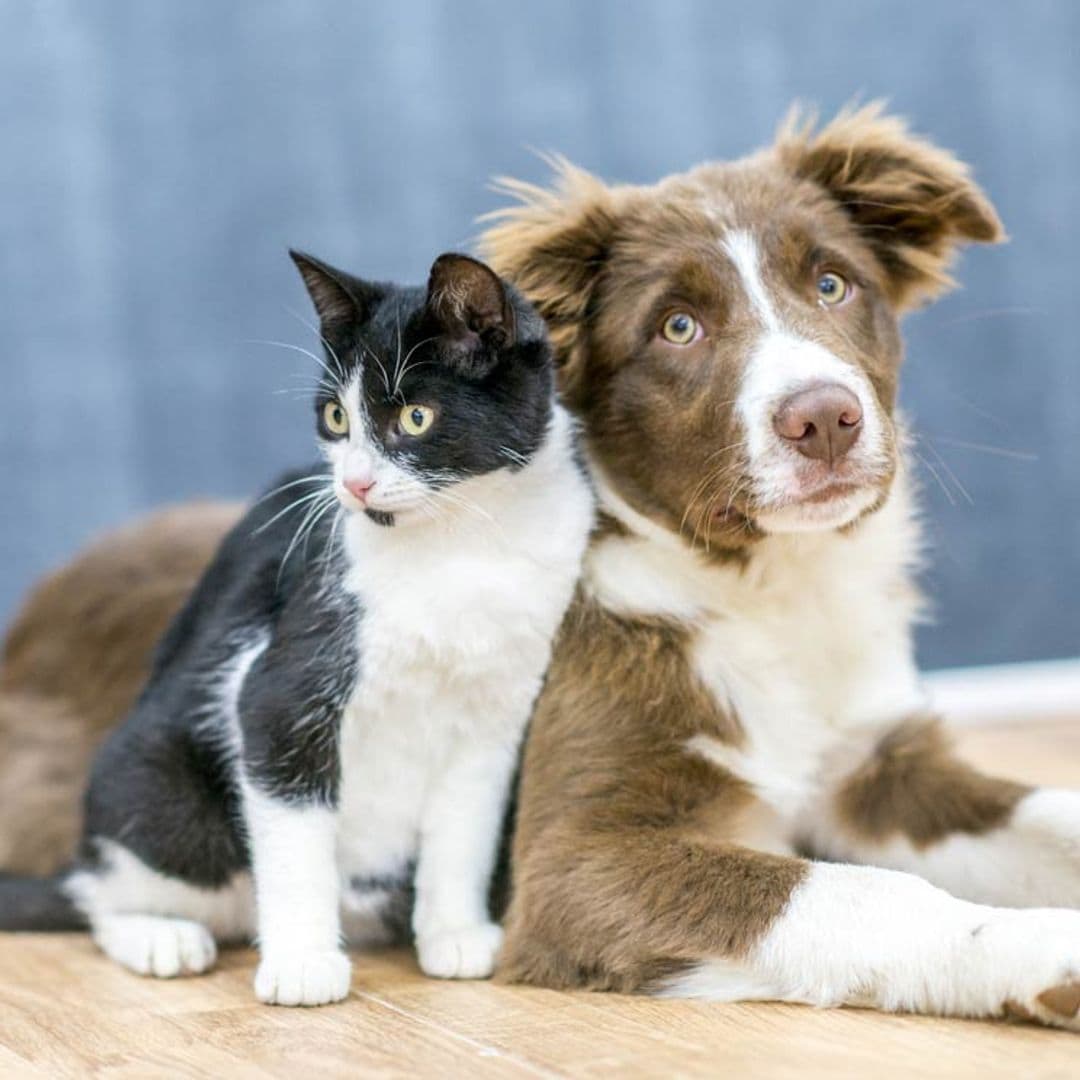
(416, 419)
(680, 328)
(832, 288)
(335, 418)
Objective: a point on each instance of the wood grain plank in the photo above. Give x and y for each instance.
(65, 1011)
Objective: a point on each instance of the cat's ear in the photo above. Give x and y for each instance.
(338, 297)
(471, 312)
(913, 202)
(554, 246)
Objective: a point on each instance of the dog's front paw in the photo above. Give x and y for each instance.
(303, 978)
(1057, 1006)
(465, 953)
(1040, 959)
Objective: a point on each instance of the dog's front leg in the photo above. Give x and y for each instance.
(913, 805)
(651, 909)
(864, 936)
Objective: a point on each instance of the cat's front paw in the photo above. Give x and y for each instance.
(303, 978)
(465, 953)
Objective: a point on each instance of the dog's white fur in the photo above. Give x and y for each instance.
(810, 645)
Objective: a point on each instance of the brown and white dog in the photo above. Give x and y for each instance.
(732, 757)
(732, 787)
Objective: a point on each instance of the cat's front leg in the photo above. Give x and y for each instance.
(460, 831)
(289, 713)
(301, 961)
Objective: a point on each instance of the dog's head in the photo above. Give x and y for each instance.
(729, 336)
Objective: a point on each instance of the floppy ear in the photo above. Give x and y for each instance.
(471, 312)
(553, 246)
(338, 297)
(913, 202)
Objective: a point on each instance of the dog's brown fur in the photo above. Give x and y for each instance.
(627, 864)
(913, 786)
(627, 858)
(604, 264)
(72, 663)
(616, 819)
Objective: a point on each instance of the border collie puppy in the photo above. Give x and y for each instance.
(732, 787)
(333, 721)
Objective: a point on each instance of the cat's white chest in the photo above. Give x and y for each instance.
(455, 634)
(451, 662)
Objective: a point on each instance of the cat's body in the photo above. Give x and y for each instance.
(335, 717)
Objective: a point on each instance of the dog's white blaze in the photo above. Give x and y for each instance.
(871, 937)
(781, 364)
(741, 247)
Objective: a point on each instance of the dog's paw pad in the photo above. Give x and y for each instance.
(1064, 1000)
(303, 978)
(156, 945)
(467, 953)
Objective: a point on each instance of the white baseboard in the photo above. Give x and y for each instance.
(1007, 693)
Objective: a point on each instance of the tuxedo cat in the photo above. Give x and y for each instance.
(334, 719)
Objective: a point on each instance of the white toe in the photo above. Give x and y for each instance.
(466, 953)
(156, 945)
(303, 978)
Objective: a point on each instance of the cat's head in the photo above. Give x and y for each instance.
(425, 388)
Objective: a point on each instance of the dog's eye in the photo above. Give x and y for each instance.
(680, 328)
(415, 419)
(832, 288)
(336, 419)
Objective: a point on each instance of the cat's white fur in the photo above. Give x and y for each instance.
(460, 607)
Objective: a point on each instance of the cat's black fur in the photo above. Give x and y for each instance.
(164, 784)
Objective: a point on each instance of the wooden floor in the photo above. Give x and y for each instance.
(65, 1011)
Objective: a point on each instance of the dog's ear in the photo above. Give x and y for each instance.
(913, 202)
(553, 246)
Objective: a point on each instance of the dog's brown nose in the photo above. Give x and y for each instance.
(822, 423)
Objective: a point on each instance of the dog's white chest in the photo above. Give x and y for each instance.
(809, 646)
(814, 657)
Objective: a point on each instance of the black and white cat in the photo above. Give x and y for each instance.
(335, 717)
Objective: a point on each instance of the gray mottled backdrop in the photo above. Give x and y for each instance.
(157, 158)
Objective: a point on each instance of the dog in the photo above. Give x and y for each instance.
(76, 655)
(733, 787)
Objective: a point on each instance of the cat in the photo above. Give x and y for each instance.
(333, 720)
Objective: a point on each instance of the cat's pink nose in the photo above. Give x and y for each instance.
(359, 489)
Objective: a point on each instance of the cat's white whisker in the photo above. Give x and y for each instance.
(311, 518)
(281, 513)
(293, 483)
(335, 379)
(382, 367)
(318, 333)
(404, 368)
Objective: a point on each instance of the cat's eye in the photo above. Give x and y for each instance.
(832, 288)
(680, 328)
(336, 418)
(416, 419)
